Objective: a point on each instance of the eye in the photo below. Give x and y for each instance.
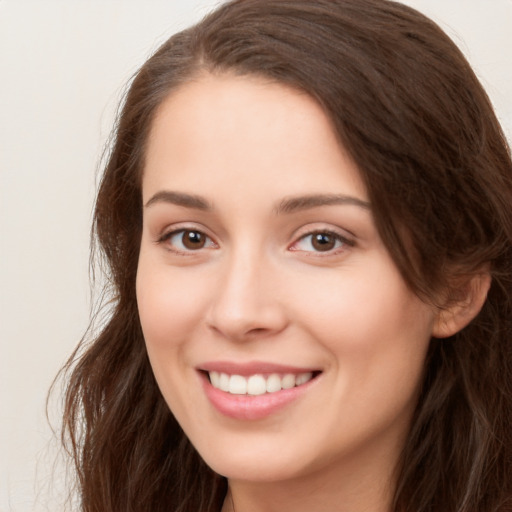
(185, 240)
(321, 241)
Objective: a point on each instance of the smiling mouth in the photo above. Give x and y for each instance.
(258, 384)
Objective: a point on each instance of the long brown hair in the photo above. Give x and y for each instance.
(413, 116)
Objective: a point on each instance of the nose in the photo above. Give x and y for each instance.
(247, 302)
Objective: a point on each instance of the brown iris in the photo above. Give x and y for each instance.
(193, 239)
(323, 241)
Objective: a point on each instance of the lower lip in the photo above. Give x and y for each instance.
(249, 407)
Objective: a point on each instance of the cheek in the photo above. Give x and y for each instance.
(170, 304)
(360, 307)
(376, 330)
(168, 311)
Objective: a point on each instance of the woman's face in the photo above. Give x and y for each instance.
(280, 332)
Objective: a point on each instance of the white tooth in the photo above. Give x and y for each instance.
(224, 382)
(288, 381)
(302, 378)
(237, 385)
(273, 383)
(215, 379)
(256, 385)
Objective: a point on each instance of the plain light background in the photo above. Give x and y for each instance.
(63, 66)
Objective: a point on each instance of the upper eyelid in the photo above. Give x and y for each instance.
(183, 226)
(322, 228)
(345, 240)
(173, 232)
(165, 237)
(309, 229)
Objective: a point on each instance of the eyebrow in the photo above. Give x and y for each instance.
(294, 204)
(180, 199)
(288, 205)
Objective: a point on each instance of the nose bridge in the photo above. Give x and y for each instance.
(246, 302)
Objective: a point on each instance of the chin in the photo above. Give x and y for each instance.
(256, 460)
(248, 470)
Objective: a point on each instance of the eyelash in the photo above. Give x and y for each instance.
(338, 238)
(166, 237)
(342, 241)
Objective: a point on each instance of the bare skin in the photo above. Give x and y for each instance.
(259, 248)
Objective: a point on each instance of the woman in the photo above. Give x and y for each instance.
(306, 219)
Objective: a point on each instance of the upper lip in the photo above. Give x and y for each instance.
(252, 368)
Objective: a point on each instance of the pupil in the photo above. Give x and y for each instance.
(323, 242)
(193, 240)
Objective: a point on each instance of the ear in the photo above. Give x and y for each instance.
(459, 313)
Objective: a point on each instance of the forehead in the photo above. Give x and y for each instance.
(220, 130)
